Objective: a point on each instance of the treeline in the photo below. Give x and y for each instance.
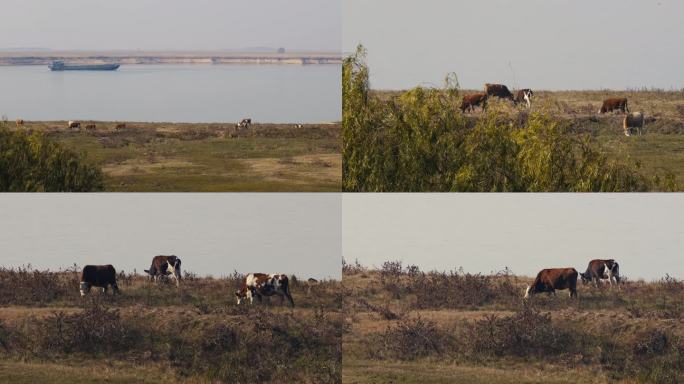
(420, 141)
(30, 162)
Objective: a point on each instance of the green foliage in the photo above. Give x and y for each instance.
(420, 141)
(29, 162)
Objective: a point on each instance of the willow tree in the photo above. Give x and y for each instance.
(30, 162)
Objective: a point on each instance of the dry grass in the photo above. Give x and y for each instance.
(631, 335)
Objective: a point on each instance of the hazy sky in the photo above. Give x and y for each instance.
(211, 233)
(550, 44)
(171, 24)
(526, 232)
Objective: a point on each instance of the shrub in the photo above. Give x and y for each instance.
(410, 339)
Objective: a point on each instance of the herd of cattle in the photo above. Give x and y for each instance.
(550, 280)
(253, 285)
(633, 121)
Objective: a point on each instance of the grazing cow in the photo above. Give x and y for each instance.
(476, 100)
(498, 90)
(160, 267)
(19, 122)
(600, 269)
(549, 280)
(244, 123)
(634, 120)
(523, 96)
(299, 126)
(74, 124)
(98, 276)
(261, 284)
(90, 127)
(120, 126)
(615, 104)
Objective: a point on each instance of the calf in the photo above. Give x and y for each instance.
(599, 269)
(160, 267)
(476, 100)
(98, 276)
(498, 90)
(614, 104)
(549, 280)
(261, 284)
(634, 120)
(523, 96)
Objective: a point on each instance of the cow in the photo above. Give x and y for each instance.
(299, 126)
(244, 123)
(614, 104)
(120, 126)
(19, 122)
(74, 124)
(549, 280)
(476, 100)
(600, 269)
(261, 284)
(634, 120)
(498, 90)
(98, 276)
(160, 267)
(523, 96)
(90, 127)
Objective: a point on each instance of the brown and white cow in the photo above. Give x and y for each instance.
(74, 124)
(524, 96)
(261, 284)
(98, 276)
(475, 100)
(165, 266)
(602, 269)
(498, 90)
(19, 122)
(634, 120)
(549, 280)
(614, 104)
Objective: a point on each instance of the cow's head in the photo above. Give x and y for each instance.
(586, 278)
(528, 292)
(240, 295)
(602, 110)
(529, 93)
(177, 270)
(84, 288)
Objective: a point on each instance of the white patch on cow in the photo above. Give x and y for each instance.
(527, 292)
(84, 288)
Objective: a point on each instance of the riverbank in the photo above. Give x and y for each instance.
(198, 157)
(9, 58)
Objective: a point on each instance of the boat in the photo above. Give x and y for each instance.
(60, 66)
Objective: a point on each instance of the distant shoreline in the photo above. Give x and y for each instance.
(17, 58)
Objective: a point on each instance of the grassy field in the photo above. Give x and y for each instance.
(151, 333)
(413, 327)
(659, 151)
(207, 157)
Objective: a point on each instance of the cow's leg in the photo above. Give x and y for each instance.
(289, 297)
(104, 290)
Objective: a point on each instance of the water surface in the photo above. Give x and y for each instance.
(175, 93)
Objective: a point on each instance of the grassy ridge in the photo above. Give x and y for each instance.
(436, 327)
(195, 333)
(207, 157)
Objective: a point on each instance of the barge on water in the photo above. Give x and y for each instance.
(60, 66)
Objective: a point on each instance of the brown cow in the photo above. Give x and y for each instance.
(120, 126)
(90, 127)
(261, 284)
(549, 280)
(523, 96)
(98, 276)
(160, 267)
(476, 100)
(19, 122)
(601, 269)
(498, 90)
(634, 120)
(614, 104)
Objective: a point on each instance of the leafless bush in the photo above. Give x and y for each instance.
(410, 339)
